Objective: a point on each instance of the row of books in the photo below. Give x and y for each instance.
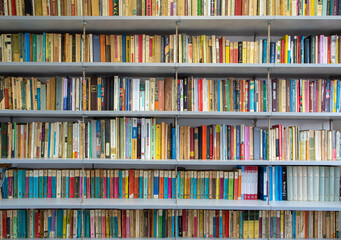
(74, 183)
(133, 94)
(291, 143)
(312, 49)
(168, 8)
(104, 223)
(241, 184)
(119, 138)
(142, 48)
(304, 95)
(223, 142)
(302, 183)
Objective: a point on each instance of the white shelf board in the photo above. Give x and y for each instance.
(41, 68)
(40, 113)
(208, 163)
(306, 70)
(40, 203)
(305, 115)
(41, 24)
(304, 163)
(231, 115)
(305, 205)
(222, 204)
(131, 163)
(116, 203)
(35, 161)
(164, 114)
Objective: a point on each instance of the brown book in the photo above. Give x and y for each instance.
(53, 94)
(161, 89)
(38, 8)
(181, 7)
(93, 94)
(168, 94)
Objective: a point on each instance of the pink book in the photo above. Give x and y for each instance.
(49, 186)
(88, 194)
(111, 187)
(320, 49)
(221, 189)
(150, 47)
(103, 226)
(116, 187)
(315, 96)
(247, 143)
(161, 94)
(27, 188)
(298, 85)
(170, 186)
(123, 186)
(127, 224)
(232, 142)
(105, 187)
(92, 226)
(195, 226)
(306, 89)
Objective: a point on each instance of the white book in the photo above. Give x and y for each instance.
(136, 94)
(305, 184)
(148, 139)
(151, 94)
(143, 137)
(59, 184)
(146, 95)
(321, 184)
(113, 138)
(337, 184)
(300, 183)
(310, 186)
(116, 93)
(294, 183)
(331, 183)
(316, 183)
(326, 183)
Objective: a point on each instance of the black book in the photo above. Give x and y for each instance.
(284, 183)
(306, 50)
(76, 187)
(240, 52)
(103, 87)
(107, 93)
(28, 8)
(260, 182)
(199, 142)
(180, 225)
(185, 94)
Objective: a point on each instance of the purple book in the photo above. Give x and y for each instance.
(247, 143)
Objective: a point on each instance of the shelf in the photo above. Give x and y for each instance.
(222, 204)
(129, 203)
(230, 115)
(305, 205)
(132, 163)
(304, 115)
(131, 69)
(41, 24)
(40, 203)
(37, 69)
(159, 114)
(298, 70)
(39, 161)
(220, 163)
(41, 113)
(304, 163)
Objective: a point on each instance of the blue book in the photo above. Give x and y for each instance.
(237, 142)
(31, 190)
(180, 188)
(226, 183)
(293, 224)
(195, 188)
(156, 184)
(140, 186)
(129, 94)
(207, 186)
(272, 52)
(220, 225)
(38, 99)
(192, 187)
(279, 183)
(124, 59)
(35, 184)
(265, 42)
(115, 227)
(302, 46)
(60, 223)
(173, 226)
(165, 191)
(173, 143)
(49, 145)
(20, 181)
(44, 47)
(276, 183)
(252, 95)
(96, 48)
(54, 180)
(27, 47)
(108, 186)
(214, 221)
(49, 224)
(67, 183)
(265, 152)
(270, 185)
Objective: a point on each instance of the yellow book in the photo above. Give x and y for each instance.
(134, 139)
(312, 7)
(126, 184)
(244, 50)
(107, 230)
(64, 222)
(128, 49)
(158, 141)
(227, 51)
(286, 38)
(282, 224)
(201, 59)
(217, 185)
(245, 226)
(252, 224)
(335, 91)
(256, 225)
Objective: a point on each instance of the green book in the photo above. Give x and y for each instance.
(199, 8)
(34, 42)
(231, 185)
(152, 138)
(43, 97)
(59, 103)
(160, 223)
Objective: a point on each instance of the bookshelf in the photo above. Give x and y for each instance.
(237, 25)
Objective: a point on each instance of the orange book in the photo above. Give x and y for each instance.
(161, 89)
(110, 9)
(136, 184)
(236, 185)
(102, 43)
(131, 183)
(239, 184)
(161, 193)
(204, 142)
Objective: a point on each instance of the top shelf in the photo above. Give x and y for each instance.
(233, 25)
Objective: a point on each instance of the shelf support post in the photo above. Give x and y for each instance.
(268, 42)
(176, 41)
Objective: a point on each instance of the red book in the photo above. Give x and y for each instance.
(255, 171)
(124, 227)
(71, 224)
(111, 9)
(111, 187)
(14, 8)
(184, 221)
(161, 88)
(140, 48)
(191, 144)
(306, 224)
(4, 224)
(211, 142)
(283, 51)
(72, 186)
(299, 49)
(236, 187)
(238, 8)
(105, 186)
(227, 220)
(36, 224)
(329, 48)
(200, 100)
(131, 183)
(221, 50)
(136, 184)
(149, 7)
(279, 144)
(204, 142)
(72, 9)
(6, 98)
(217, 224)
